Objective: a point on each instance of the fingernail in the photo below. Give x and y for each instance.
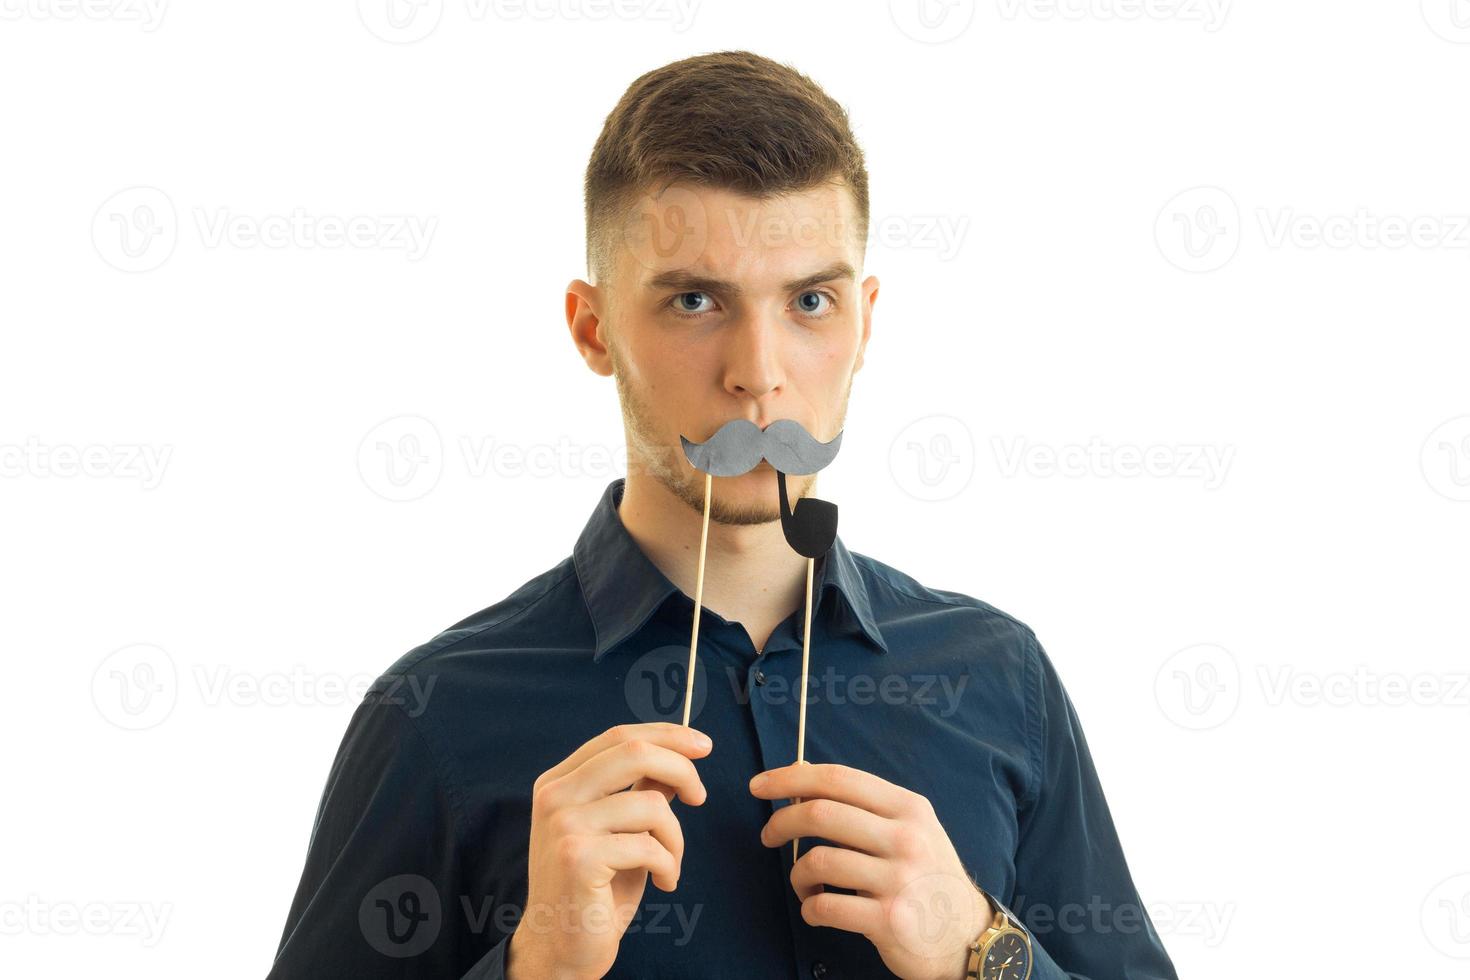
(757, 782)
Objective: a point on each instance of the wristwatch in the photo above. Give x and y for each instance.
(1002, 951)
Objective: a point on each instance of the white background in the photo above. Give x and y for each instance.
(1193, 231)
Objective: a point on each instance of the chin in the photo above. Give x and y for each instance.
(750, 498)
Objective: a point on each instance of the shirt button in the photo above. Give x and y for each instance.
(760, 677)
(819, 970)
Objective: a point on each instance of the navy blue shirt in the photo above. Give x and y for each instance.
(418, 856)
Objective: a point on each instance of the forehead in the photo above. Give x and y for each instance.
(720, 232)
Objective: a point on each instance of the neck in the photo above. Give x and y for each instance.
(751, 575)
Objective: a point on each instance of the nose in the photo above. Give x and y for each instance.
(754, 356)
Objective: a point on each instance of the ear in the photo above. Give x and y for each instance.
(586, 306)
(869, 291)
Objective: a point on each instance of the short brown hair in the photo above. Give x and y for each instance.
(732, 120)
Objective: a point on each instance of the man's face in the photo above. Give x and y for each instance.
(722, 306)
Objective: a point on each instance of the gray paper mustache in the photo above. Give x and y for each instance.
(739, 445)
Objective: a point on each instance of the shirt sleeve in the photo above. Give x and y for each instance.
(1074, 893)
(383, 890)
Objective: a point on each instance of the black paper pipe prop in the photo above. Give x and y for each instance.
(735, 449)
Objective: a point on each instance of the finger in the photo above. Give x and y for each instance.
(681, 738)
(836, 782)
(621, 765)
(646, 783)
(840, 823)
(632, 812)
(842, 868)
(852, 913)
(596, 859)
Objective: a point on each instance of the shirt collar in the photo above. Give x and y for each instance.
(623, 588)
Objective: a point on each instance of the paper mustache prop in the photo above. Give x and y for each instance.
(735, 449)
(740, 445)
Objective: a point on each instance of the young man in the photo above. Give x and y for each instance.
(950, 820)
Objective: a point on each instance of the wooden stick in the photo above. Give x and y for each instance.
(806, 643)
(698, 599)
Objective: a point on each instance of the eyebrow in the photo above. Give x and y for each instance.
(689, 282)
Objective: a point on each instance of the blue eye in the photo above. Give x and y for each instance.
(682, 307)
(816, 295)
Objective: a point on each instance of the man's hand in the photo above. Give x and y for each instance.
(600, 823)
(914, 900)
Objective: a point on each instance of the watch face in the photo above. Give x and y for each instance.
(1007, 959)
